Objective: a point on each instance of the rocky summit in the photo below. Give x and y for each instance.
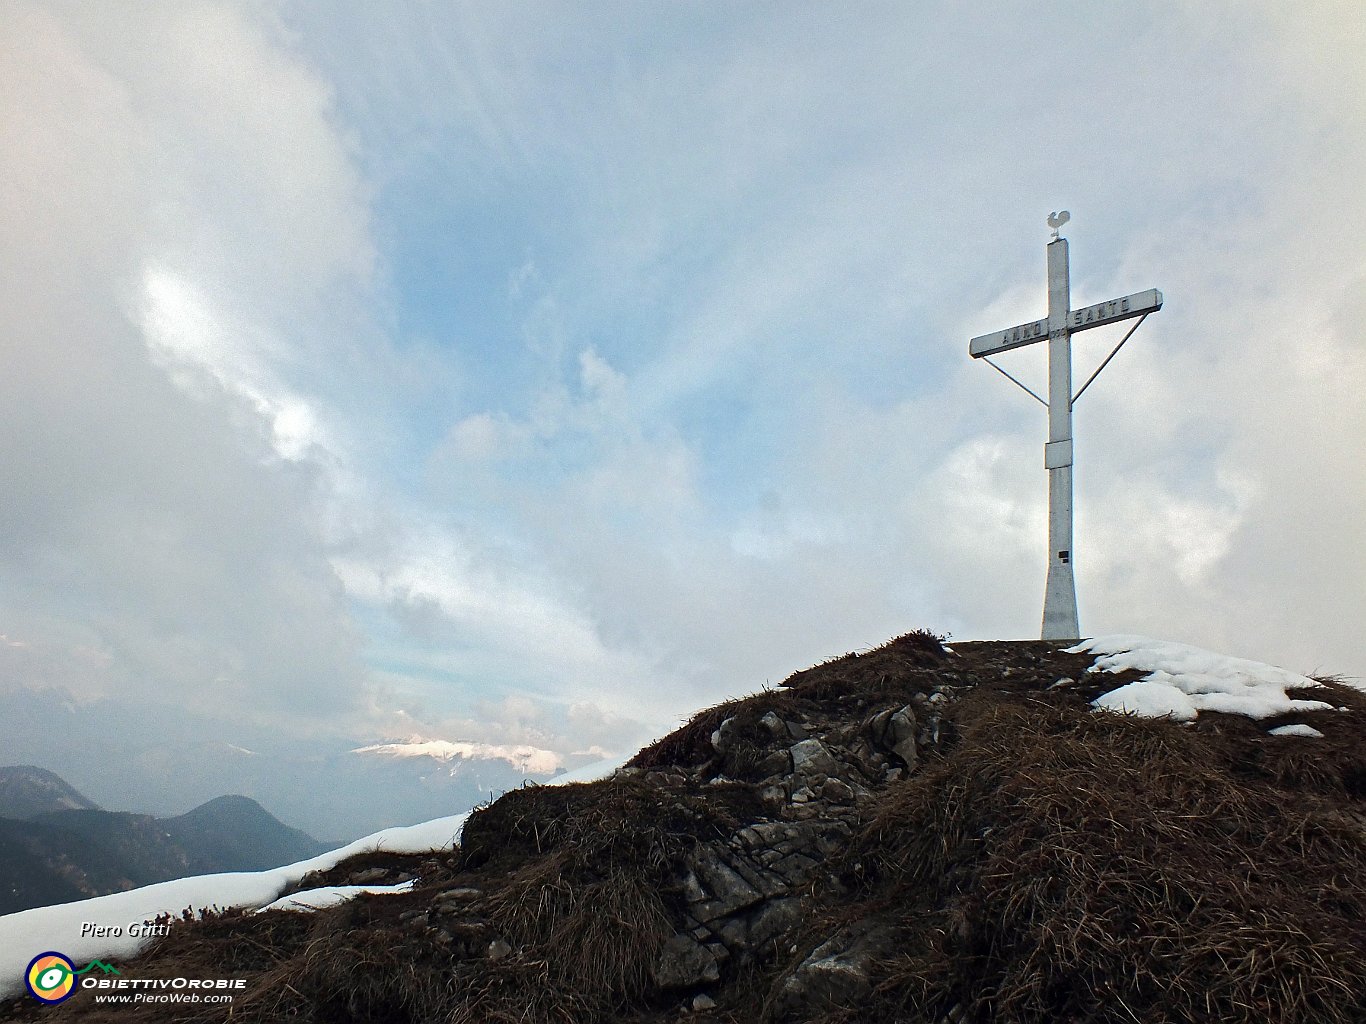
(915, 833)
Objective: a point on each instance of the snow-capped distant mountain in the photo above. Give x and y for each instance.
(532, 760)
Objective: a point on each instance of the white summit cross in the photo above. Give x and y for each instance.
(1060, 593)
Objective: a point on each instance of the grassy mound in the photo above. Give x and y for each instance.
(1041, 863)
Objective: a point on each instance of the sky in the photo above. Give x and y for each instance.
(540, 373)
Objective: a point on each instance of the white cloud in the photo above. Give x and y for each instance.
(489, 616)
(175, 184)
(604, 385)
(482, 436)
(195, 346)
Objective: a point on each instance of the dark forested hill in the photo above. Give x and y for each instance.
(68, 855)
(237, 831)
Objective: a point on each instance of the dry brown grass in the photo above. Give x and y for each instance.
(585, 914)
(895, 668)
(1062, 865)
(582, 950)
(690, 745)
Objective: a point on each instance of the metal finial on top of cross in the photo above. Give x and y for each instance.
(1060, 591)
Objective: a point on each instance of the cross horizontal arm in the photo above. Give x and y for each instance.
(1026, 390)
(1003, 341)
(1124, 308)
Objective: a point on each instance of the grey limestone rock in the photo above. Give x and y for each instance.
(683, 963)
(777, 763)
(725, 888)
(836, 973)
(901, 736)
(772, 919)
(837, 791)
(810, 757)
(368, 875)
(774, 725)
(723, 736)
(460, 894)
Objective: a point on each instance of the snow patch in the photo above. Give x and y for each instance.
(1298, 729)
(1185, 680)
(1148, 700)
(329, 896)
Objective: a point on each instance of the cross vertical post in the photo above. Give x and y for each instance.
(1060, 589)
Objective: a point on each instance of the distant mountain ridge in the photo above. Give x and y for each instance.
(318, 783)
(27, 791)
(73, 853)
